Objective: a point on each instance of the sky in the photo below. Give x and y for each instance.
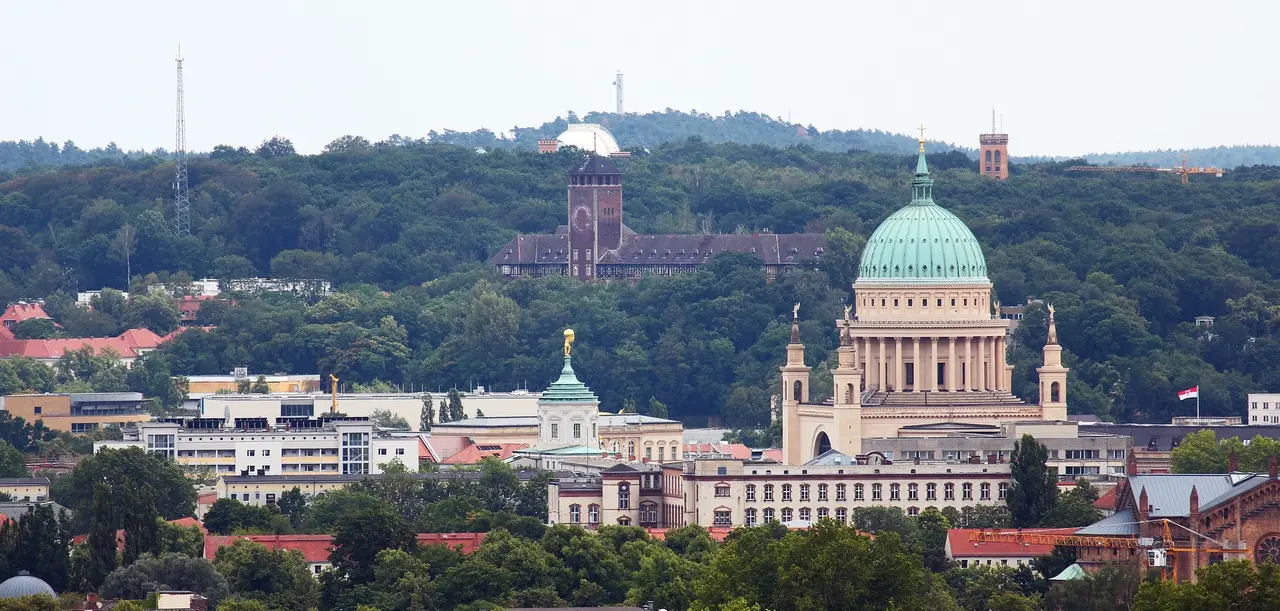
(1065, 78)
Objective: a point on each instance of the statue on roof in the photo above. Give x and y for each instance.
(848, 312)
(568, 342)
(1053, 327)
(795, 311)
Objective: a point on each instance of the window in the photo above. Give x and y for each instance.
(751, 492)
(966, 491)
(805, 514)
(1002, 490)
(649, 513)
(1081, 454)
(89, 427)
(939, 303)
(722, 518)
(249, 453)
(575, 514)
(823, 513)
(909, 302)
(913, 511)
(895, 303)
(857, 492)
(750, 515)
(648, 452)
(913, 492)
(382, 451)
(895, 492)
(399, 451)
(930, 492)
(1082, 471)
(768, 515)
(768, 493)
(984, 492)
(577, 430)
(804, 492)
(953, 302)
(662, 450)
(842, 515)
(948, 492)
(786, 492)
(877, 492)
(722, 490)
(593, 514)
(624, 496)
(555, 431)
(787, 514)
(822, 492)
(38, 408)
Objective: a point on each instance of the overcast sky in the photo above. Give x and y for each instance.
(1068, 77)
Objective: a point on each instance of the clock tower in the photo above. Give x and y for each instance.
(595, 214)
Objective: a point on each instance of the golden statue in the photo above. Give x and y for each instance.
(568, 341)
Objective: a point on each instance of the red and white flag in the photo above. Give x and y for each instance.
(1190, 393)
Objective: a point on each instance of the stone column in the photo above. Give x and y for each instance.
(897, 363)
(880, 367)
(973, 370)
(951, 364)
(933, 365)
(1000, 366)
(916, 385)
(991, 363)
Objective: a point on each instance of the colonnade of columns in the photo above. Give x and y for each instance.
(970, 363)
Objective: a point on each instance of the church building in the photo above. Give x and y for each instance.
(596, 244)
(926, 348)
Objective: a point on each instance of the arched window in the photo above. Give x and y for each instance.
(895, 492)
(615, 447)
(984, 492)
(913, 492)
(787, 514)
(624, 496)
(786, 492)
(966, 492)
(877, 492)
(624, 521)
(750, 516)
(841, 493)
(751, 492)
(768, 515)
(997, 157)
(988, 156)
(575, 514)
(1055, 390)
(913, 511)
(768, 493)
(948, 492)
(806, 514)
(593, 514)
(930, 492)
(848, 393)
(823, 513)
(804, 492)
(842, 515)
(795, 391)
(822, 492)
(1003, 490)
(631, 449)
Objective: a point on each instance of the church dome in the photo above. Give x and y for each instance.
(590, 137)
(923, 243)
(23, 584)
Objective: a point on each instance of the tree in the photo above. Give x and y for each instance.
(35, 328)
(455, 406)
(280, 579)
(629, 406)
(12, 464)
(274, 148)
(657, 409)
(152, 310)
(388, 419)
(293, 504)
(1235, 584)
(933, 527)
(124, 245)
(1034, 489)
(1075, 508)
(1200, 452)
(165, 572)
(428, 417)
(120, 469)
(361, 536)
(102, 537)
(141, 534)
(260, 386)
(36, 602)
(348, 144)
(444, 410)
(1112, 587)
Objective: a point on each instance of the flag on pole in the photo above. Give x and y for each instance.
(1190, 393)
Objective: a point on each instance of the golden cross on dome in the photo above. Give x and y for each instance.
(921, 137)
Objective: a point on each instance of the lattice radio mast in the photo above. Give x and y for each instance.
(181, 200)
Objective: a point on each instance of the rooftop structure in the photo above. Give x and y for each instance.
(78, 412)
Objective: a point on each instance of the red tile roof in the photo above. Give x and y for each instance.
(145, 339)
(128, 345)
(174, 333)
(474, 453)
(19, 312)
(1107, 502)
(737, 450)
(316, 548)
(188, 306)
(959, 545)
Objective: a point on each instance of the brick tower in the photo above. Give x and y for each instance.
(595, 214)
(993, 153)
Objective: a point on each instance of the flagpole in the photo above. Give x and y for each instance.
(1197, 402)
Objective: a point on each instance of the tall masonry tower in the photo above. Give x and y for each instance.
(595, 214)
(993, 153)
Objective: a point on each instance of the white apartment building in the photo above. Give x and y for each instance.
(359, 405)
(1264, 408)
(351, 447)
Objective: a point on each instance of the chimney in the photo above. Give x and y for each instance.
(1195, 501)
(1131, 465)
(1143, 507)
(1233, 463)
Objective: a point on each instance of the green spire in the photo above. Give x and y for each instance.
(567, 389)
(922, 185)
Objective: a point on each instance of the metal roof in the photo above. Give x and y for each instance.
(1121, 523)
(1170, 494)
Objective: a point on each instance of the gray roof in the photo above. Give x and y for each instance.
(24, 481)
(1170, 494)
(1241, 483)
(832, 457)
(13, 511)
(23, 584)
(632, 419)
(488, 421)
(1121, 523)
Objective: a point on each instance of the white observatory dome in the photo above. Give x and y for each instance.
(591, 137)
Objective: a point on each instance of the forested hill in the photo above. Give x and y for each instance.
(1226, 157)
(401, 227)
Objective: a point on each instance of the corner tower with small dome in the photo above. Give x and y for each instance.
(926, 347)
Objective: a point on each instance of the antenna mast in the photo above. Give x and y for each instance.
(617, 81)
(181, 200)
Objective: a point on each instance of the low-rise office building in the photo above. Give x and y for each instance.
(25, 489)
(78, 412)
(1264, 408)
(361, 405)
(267, 489)
(291, 447)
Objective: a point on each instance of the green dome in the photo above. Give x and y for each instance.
(568, 389)
(923, 243)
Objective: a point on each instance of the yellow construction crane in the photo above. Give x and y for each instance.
(1183, 170)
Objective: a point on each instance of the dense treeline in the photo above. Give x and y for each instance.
(401, 227)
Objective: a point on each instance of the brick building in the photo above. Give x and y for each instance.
(597, 244)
